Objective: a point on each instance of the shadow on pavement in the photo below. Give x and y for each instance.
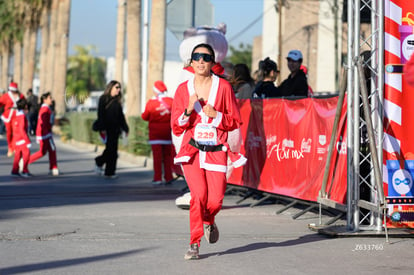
(264, 245)
(65, 263)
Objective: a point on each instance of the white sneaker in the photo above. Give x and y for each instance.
(157, 182)
(54, 172)
(183, 201)
(26, 175)
(98, 170)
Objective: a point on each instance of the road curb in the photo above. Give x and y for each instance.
(142, 161)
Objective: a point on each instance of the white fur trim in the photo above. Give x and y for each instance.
(210, 166)
(217, 120)
(20, 142)
(240, 162)
(183, 159)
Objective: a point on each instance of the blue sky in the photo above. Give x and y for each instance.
(93, 22)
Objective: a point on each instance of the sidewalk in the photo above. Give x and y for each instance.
(80, 223)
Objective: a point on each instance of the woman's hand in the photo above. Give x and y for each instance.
(191, 101)
(210, 111)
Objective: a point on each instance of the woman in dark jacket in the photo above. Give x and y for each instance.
(267, 74)
(112, 122)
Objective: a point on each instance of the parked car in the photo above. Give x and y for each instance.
(91, 103)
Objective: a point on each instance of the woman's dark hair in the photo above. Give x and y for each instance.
(265, 67)
(110, 85)
(44, 96)
(241, 74)
(21, 104)
(208, 47)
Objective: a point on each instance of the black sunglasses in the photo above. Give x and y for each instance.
(206, 57)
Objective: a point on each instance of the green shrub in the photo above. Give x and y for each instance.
(79, 128)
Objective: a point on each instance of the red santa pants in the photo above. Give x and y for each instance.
(207, 192)
(46, 146)
(162, 158)
(9, 135)
(24, 153)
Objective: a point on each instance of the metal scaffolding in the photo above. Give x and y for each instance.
(365, 198)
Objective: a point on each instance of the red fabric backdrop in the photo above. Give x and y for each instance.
(286, 144)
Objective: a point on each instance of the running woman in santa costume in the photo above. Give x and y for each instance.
(205, 110)
(158, 114)
(9, 100)
(21, 140)
(44, 134)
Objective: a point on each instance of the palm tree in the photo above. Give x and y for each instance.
(45, 31)
(29, 44)
(133, 98)
(7, 27)
(51, 52)
(85, 73)
(17, 40)
(156, 54)
(120, 41)
(61, 57)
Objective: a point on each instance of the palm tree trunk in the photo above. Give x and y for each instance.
(17, 64)
(156, 53)
(44, 26)
(133, 98)
(5, 66)
(59, 85)
(51, 52)
(30, 60)
(25, 67)
(120, 41)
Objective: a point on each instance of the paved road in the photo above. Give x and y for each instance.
(79, 223)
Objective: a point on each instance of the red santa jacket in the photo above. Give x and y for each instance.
(19, 126)
(158, 114)
(228, 118)
(44, 125)
(9, 102)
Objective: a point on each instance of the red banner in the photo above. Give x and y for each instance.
(286, 144)
(398, 149)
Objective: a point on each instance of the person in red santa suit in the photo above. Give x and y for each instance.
(205, 111)
(44, 135)
(9, 100)
(158, 114)
(21, 140)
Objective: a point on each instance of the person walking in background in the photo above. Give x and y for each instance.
(266, 76)
(297, 82)
(158, 114)
(112, 122)
(242, 82)
(2, 127)
(204, 111)
(33, 103)
(8, 101)
(21, 141)
(44, 135)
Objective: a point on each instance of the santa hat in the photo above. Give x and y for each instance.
(13, 87)
(159, 87)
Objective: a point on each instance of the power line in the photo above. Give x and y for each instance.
(251, 24)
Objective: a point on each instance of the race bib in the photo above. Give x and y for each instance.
(205, 134)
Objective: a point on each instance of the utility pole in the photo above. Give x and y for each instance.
(279, 6)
